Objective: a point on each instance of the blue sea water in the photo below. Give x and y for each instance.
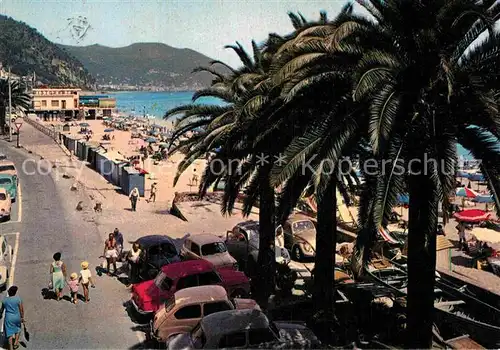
(154, 103)
(157, 103)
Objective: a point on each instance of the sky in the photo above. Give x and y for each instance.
(202, 25)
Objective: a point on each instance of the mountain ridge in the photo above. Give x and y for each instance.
(145, 65)
(26, 50)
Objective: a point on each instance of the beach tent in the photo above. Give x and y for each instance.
(84, 125)
(109, 130)
(150, 140)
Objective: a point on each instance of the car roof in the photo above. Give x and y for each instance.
(225, 322)
(148, 241)
(6, 162)
(297, 217)
(251, 225)
(201, 294)
(205, 238)
(187, 268)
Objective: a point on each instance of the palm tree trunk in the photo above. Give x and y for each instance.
(266, 262)
(326, 232)
(423, 213)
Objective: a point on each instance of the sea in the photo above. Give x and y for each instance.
(157, 103)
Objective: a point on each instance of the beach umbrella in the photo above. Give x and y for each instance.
(486, 234)
(84, 125)
(163, 144)
(150, 140)
(463, 174)
(107, 118)
(109, 130)
(466, 192)
(472, 215)
(483, 198)
(476, 177)
(403, 199)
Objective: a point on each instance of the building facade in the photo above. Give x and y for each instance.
(56, 100)
(71, 103)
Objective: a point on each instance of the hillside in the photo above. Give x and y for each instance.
(152, 65)
(26, 51)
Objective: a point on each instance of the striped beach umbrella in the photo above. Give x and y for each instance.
(466, 192)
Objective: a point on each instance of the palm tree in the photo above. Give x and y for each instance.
(427, 87)
(19, 99)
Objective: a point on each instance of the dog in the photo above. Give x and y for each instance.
(98, 207)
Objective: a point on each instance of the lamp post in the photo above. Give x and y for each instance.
(10, 109)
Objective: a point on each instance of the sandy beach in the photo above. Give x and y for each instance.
(122, 145)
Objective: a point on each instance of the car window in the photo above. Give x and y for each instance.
(166, 283)
(195, 248)
(7, 167)
(233, 340)
(5, 181)
(218, 306)
(259, 336)
(169, 304)
(168, 249)
(187, 312)
(213, 248)
(236, 235)
(188, 281)
(302, 225)
(3, 197)
(209, 278)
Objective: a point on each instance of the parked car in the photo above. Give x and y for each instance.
(244, 329)
(299, 236)
(5, 204)
(209, 247)
(5, 261)
(243, 244)
(185, 309)
(8, 167)
(148, 296)
(8, 182)
(156, 252)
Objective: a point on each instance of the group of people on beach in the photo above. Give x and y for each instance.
(135, 196)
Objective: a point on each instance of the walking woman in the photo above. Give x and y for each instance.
(14, 317)
(58, 274)
(134, 197)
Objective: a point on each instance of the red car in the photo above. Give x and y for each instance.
(149, 296)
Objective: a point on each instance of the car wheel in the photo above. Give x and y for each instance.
(239, 293)
(297, 253)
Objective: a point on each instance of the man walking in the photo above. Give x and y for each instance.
(119, 241)
(152, 196)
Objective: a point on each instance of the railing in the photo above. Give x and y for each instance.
(53, 134)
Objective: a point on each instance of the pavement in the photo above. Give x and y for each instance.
(44, 222)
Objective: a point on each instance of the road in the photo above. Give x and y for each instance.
(43, 222)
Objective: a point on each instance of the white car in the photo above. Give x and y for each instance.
(5, 261)
(5, 204)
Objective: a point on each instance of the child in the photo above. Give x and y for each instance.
(73, 287)
(85, 279)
